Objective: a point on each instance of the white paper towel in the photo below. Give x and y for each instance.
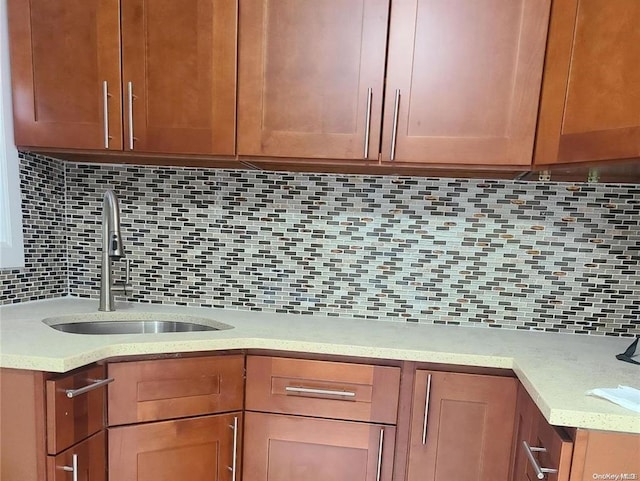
(625, 396)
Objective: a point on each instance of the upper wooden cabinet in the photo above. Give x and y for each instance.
(310, 78)
(462, 79)
(176, 93)
(590, 105)
(179, 75)
(65, 68)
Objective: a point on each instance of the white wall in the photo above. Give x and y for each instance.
(11, 240)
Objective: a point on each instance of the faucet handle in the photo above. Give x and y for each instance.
(124, 286)
(127, 272)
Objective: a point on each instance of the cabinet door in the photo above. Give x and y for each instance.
(65, 68)
(523, 432)
(179, 75)
(461, 427)
(311, 78)
(463, 80)
(602, 452)
(88, 458)
(590, 105)
(551, 450)
(195, 449)
(286, 448)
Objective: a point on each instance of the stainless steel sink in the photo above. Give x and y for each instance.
(141, 326)
(132, 323)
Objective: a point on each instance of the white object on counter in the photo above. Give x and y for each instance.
(625, 396)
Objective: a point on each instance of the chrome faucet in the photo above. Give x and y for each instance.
(112, 249)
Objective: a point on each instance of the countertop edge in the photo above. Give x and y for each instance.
(555, 369)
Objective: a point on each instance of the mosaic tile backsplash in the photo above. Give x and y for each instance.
(45, 274)
(551, 256)
(548, 256)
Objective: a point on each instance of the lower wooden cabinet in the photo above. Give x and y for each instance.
(287, 448)
(523, 432)
(195, 449)
(556, 454)
(86, 461)
(598, 453)
(52, 425)
(461, 427)
(539, 449)
(304, 420)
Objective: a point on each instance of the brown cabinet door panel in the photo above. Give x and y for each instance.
(557, 452)
(524, 427)
(197, 449)
(590, 104)
(468, 426)
(602, 452)
(91, 461)
(305, 70)
(468, 75)
(286, 448)
(70, 420)
(62, 54)
(174, 388)
(337, 390)
(180, 60)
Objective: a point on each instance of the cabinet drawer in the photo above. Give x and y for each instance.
(551, 449)
(174, 388)
(70, 420)
(90, 461)
(326, 389)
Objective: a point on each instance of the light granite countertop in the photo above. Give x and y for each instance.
(556, 369)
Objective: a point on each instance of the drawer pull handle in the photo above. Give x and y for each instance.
(131, 97)
(379, 468)
(234, 460)
(321, 392)
(71, 393)
(73, 468)
(105, 112)
(540, 472)
(367, 121)
(394, 129)
(426, 410)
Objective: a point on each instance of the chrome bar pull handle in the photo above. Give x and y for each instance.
(234, 460)
(379, 467)
(73, 468)
(426, 410)
(320, 392)
(96, 383)
(540, 472)
(105, 109)
(367, 121)
(131, 97)
(394, 130)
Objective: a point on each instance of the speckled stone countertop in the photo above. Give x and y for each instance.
(556, 369)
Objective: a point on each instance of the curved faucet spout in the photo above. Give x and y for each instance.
(112, 248)
(111, 236)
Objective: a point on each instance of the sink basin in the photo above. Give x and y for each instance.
(130, 327)
(132, 323)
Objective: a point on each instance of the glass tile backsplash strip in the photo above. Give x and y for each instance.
(525, 255)
(45, 273)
